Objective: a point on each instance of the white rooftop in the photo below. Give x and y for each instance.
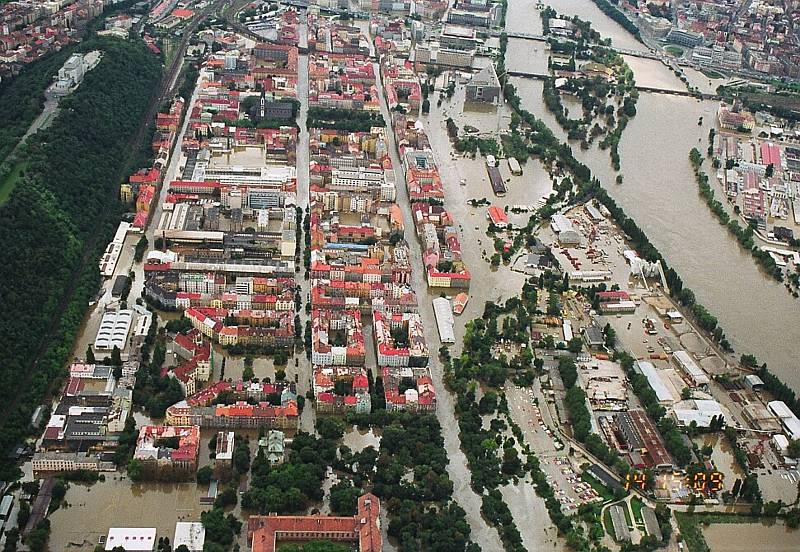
(656, 383)
(689, 366)
(191, 534)
(131, 538)
(780, 409)
(114, 329)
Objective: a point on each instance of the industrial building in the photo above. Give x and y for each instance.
(190, 534)
(787, 418)
(131, 538)
(444, 319)
(642, 440)
(605, 384)
(663, 391)
(496, 180)
(693, 374)
(621, 532)
(562, 226)
(760, 417)
(484, 86)
(114, 329)
(701, 413)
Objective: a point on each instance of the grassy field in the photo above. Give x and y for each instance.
(607, 524)
(636, 508)
(712, 74)
(674, 51)
(627, 512)
(10, 182)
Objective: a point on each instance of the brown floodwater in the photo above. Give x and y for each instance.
(660, 193)
(749, 537)
(92, 510)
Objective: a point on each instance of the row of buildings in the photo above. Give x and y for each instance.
(228, 226)
(85, 426)
(226, 246)
(433, 224)
(724, 35)
(760, 174)
(359, 264)
(30, 30)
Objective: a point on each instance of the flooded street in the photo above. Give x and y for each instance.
(523, 17)
(482, 534)
(660, 193)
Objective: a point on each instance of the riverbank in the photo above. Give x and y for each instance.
(660, 193)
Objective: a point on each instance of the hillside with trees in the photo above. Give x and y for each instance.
(56, 222)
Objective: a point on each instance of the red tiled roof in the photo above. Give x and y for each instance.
(264, 532)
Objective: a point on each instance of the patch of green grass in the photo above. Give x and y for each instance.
(721, 517)
(601, 489)
(674, 51)
(627, 512)
(712, 74)
(636, 509)
(10, 182)
(691, 533)
(607, 523)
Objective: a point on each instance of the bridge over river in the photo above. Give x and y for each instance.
(625, 51)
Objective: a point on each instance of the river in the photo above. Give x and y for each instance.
(660, 193)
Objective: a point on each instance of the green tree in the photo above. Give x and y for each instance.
(331, 429)
(135, 470)
(204, 475)
(793, 450)
(241, 455)
(12, 539)
(247, 373)
(227, 498)
(610, 336)
(344, 498)
(116, 356)
(575, 345)
(23, 514)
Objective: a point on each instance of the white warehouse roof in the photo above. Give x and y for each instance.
(444, 319)
(560, 223)
(191, 534)
(701, 412)
(688, 365)
(131, 538)
(114, 329)
(792, 427)
(780, 409)
(661, 390)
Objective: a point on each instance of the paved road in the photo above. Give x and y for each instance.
(482, 534)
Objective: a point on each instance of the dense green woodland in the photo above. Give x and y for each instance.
(58, 219)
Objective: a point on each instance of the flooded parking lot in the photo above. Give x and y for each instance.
(117, 502)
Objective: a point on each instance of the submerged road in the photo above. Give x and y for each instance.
(482, 534)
